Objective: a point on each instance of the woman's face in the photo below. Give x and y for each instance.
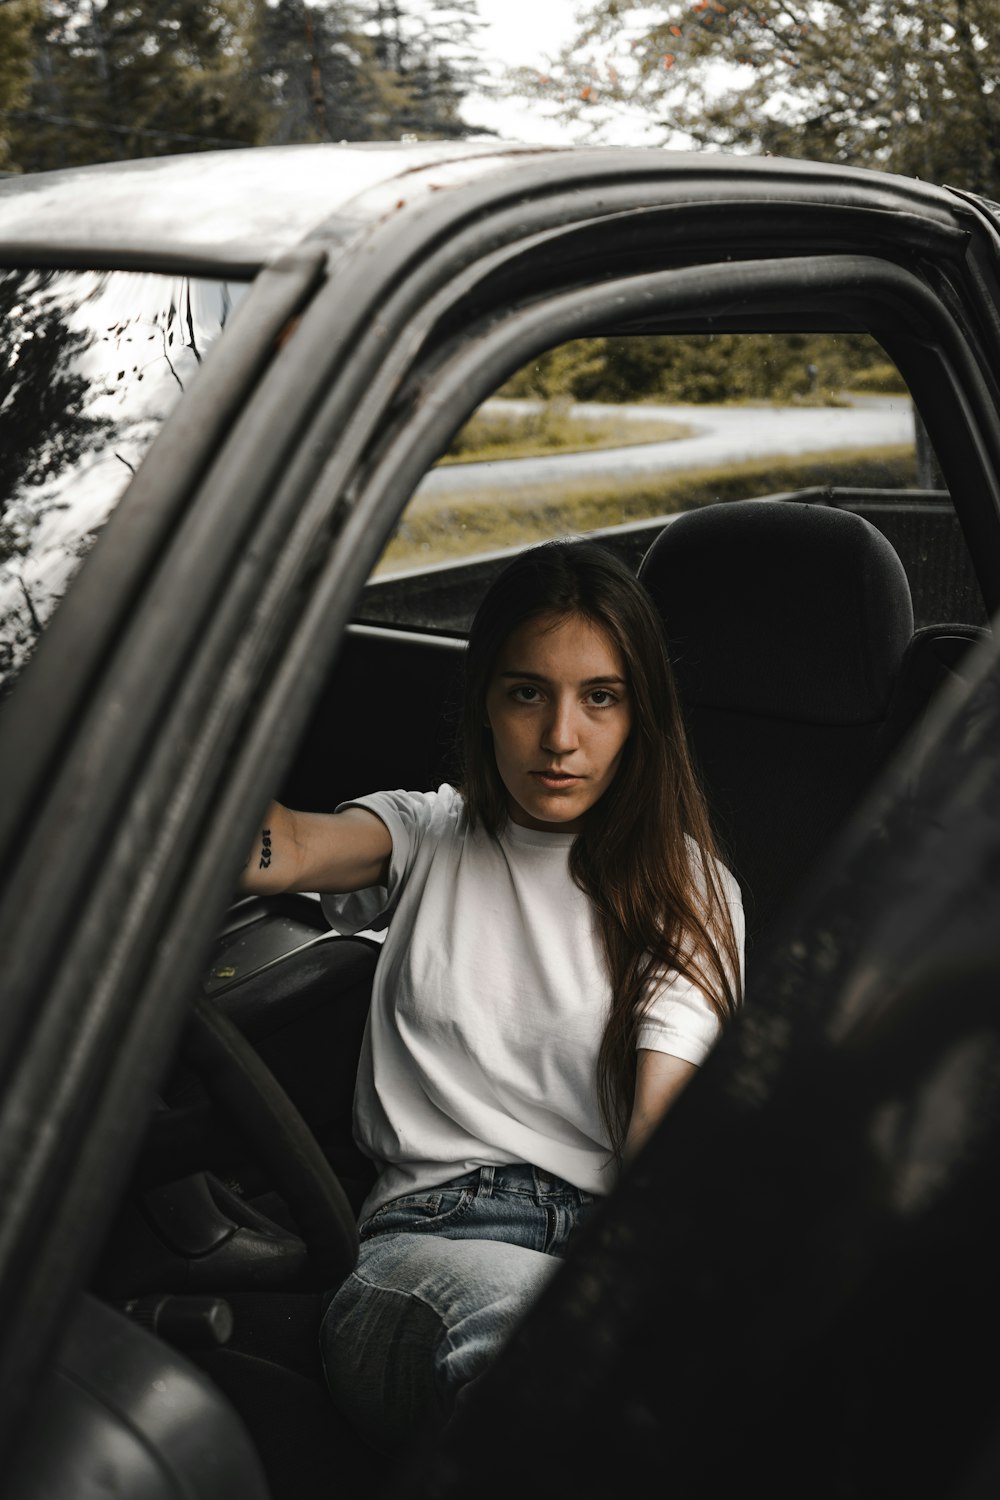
(559, 709)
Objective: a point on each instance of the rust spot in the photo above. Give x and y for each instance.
(287, 332)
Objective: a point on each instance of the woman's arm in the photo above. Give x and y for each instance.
(325, 852)
(659, 1078)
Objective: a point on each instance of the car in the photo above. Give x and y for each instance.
(233, 565)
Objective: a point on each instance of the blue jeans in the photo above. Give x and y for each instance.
(442, 1278)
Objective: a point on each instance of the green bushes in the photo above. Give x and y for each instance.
(707, 368)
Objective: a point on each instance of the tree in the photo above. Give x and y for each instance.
(18, 19)
(899, 84)
(90, 364)
(115, 80)
(44, 424)
(44, 430)
(429, 47)
(321, 76)
(98, 80)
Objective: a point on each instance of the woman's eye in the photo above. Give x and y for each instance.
(525, 693)
(602, 698)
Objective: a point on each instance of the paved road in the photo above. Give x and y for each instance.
(723, 434)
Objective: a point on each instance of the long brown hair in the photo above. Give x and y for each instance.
(659, 903)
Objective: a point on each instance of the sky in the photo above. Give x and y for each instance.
(529, 32)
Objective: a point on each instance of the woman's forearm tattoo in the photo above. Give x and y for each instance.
(265, 848)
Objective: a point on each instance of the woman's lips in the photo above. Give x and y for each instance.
(555, 780)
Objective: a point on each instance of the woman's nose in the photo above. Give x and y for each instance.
(561, 730)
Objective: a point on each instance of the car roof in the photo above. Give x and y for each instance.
(247, 204)
(240, 208)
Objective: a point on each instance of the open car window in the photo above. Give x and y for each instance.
(612, 436)
(91, 364)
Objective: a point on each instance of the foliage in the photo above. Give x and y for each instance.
(43, 426)
(115, 80)
(99, 80)
(17, 22)
(319, 77)
(899, 84)
(372, 70)
(706, 367)
(429, 50)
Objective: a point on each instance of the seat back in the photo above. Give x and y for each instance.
(937, 654)
(787, 625)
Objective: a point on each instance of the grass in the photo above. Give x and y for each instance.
(491, 435)
(439, 531)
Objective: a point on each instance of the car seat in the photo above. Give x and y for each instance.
(788, 625)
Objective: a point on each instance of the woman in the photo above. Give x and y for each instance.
(563, 948)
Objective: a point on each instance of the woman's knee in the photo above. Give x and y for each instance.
(378, 1344)
(419, 1319)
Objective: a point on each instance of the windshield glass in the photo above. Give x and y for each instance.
(91, 363)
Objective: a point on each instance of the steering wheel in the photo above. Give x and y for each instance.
(246, 1091)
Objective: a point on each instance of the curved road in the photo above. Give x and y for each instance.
(723, 434)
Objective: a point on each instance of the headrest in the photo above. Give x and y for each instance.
(781, 609)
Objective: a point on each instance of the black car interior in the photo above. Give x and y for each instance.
(791, 630)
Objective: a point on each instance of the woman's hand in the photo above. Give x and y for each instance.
(325, 852)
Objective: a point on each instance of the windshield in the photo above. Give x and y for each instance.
(91, 363)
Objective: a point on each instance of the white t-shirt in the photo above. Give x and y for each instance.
(489, 1002)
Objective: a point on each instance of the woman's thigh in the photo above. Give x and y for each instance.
(420, 1318)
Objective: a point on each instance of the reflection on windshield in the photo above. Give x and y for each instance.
(90, 365)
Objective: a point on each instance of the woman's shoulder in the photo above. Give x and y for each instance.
(418, 811)
(728, 883)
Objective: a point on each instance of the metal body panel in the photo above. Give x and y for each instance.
(242, 206)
